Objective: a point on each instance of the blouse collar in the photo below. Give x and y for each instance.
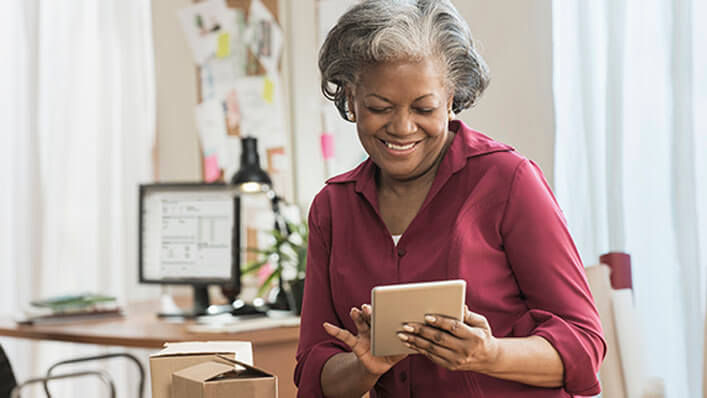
(467, 143)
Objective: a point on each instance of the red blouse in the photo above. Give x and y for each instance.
(489, 218)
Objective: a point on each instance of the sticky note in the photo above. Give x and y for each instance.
(212, 171)
(223, 49)
(327, 144)
(269, 91)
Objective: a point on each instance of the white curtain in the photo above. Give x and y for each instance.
(77, 132)
(630, 87)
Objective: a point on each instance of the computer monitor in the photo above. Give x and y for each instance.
(189, 234)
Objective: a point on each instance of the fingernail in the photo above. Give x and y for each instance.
(402, 337)
(408, 328)
(430, 318)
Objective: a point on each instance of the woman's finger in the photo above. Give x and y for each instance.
(475, 320)
(341, 334)
(367, 312)
(432, 355)
(432, 346)
(359, 319)
(453, 326)
(437, 336)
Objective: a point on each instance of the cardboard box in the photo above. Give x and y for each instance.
(178, 356)
(218, 379)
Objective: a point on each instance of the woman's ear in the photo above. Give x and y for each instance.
(350, 98)
(450, 107)
(350, 104)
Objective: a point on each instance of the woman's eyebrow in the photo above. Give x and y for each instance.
(424, 96)
(387, 100)
(379, 97)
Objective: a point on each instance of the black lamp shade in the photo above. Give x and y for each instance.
(250, 177)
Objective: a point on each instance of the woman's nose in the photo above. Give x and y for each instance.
(402, 124)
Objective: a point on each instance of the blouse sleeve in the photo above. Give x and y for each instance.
(315, 345)
(551, 277)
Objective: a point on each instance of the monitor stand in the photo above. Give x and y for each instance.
(201, 305)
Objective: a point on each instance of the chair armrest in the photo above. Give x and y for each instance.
(102, 375)
(141, 386)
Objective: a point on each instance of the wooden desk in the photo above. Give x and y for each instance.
(273, 349)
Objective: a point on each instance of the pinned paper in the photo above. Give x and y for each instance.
(277, 167)
(233, 113)
(268, 91)
(205, 24)
(211, 124)
(218, 76)
(276, 159)
(223, 49)
(264, 36)
(212, 171)
(260, 117)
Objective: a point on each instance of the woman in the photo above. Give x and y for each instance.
(436, 200)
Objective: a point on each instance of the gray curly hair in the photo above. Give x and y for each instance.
(376, 31)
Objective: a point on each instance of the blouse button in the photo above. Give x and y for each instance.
(403, 377)
(401, 251)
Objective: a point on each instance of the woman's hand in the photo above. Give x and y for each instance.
(453, 344)
(361, 343)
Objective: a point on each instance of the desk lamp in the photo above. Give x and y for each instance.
(250, 179)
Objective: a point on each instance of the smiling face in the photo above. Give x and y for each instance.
(401, 115)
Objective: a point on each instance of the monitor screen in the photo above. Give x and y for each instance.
(189, 234)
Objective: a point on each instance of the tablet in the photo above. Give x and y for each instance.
(394, 305)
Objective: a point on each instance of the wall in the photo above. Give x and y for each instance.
(517, 108)
(515, 38)
(177, 152)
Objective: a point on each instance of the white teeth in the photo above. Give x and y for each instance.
(400, 147)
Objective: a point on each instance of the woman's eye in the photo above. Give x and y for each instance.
(378, 110)
(425, 110)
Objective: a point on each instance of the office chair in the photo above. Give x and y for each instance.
(10, 388)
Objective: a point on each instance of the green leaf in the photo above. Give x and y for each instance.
(296, 253)
(267, 251)
(253, 266)
(268, 281)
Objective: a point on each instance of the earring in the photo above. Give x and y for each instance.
(451, 114)
(351, 116)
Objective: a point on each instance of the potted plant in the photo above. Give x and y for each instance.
(284, 260)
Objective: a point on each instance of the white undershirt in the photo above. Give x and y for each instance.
(396, 238)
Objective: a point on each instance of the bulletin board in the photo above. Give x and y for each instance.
(237, 47)
(240, 91)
